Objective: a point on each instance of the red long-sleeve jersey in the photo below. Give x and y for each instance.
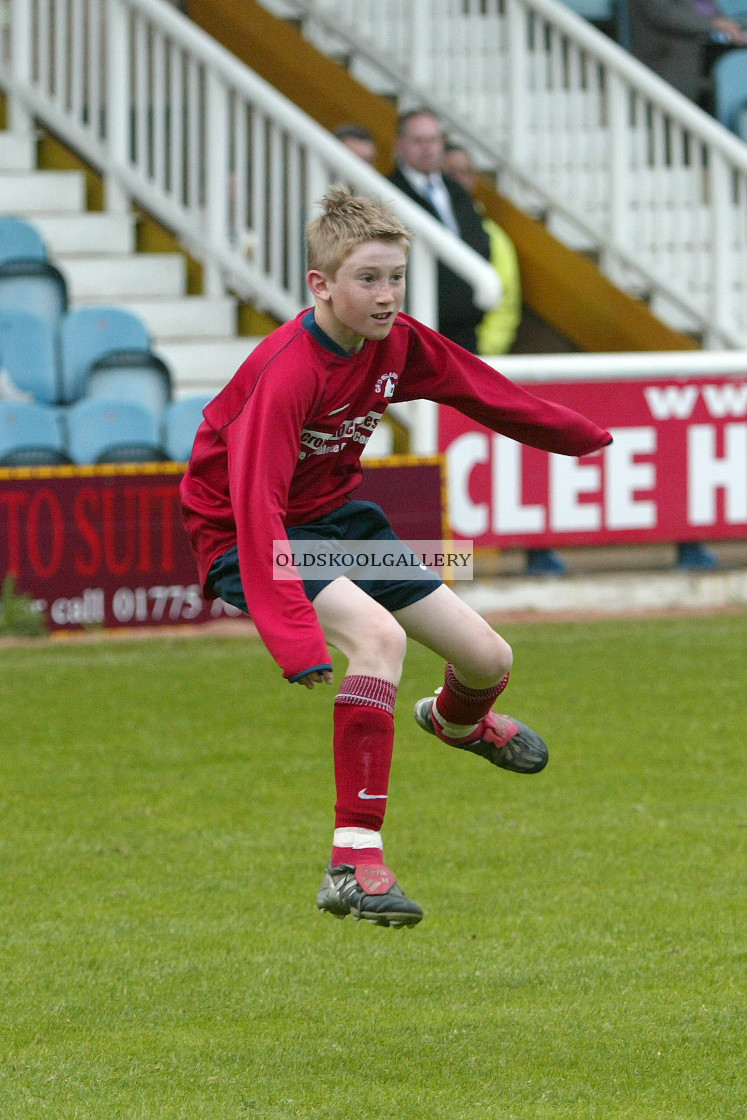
(281, 445)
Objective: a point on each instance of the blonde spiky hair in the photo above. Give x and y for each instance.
(346, 221)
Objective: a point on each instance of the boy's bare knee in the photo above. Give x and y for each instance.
(489, 661)
(378, 646)
(388, 638)
(504, 658)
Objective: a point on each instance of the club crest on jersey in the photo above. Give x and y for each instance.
(387, 384)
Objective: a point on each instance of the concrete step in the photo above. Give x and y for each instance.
(93, 232)
(372, 77)
(17, 151)
(331, 45)
(671, 313)
(119, 278)
(25, 193)
(204, 366)
(192, 317)
(566, 231)
(194, 335)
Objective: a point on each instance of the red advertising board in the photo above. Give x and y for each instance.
(677, 469)
(106, 546)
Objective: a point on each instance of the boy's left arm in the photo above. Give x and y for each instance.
(440, 371)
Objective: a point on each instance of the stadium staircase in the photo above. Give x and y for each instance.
(572, 129)
(176, 127)
(97, 253)
(569, 303)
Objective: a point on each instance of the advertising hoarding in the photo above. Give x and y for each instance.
(105, 546)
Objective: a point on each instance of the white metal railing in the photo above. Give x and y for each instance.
(175, 123)
(578, 130)
(674, 364)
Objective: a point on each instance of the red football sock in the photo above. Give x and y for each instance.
(463, 707)
(363, 746)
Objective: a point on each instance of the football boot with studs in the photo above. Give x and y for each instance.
(502, 740)
(370, 894)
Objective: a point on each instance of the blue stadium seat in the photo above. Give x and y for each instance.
(33, 285)
(28, 353)
(729, 77)
(30, 435)
(112, 431)
(131, 375)
(20, 241)
(87, 334)
(181, 421)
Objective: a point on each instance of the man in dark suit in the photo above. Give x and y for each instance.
(419, 153)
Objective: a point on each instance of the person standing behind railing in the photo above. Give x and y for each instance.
(497, 329)
(360, 141)
(420, 152)
(672, 37)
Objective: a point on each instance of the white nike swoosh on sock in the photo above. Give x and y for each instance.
(372, 796)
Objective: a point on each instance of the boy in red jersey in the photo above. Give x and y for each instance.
(277, 458)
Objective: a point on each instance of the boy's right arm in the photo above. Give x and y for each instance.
(263, 444)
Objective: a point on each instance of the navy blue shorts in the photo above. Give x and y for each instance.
(354, 521)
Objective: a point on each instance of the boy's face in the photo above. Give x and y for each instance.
(364, 298)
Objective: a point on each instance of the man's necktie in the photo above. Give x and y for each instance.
(445, 215)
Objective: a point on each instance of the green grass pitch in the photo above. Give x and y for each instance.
(165, 822)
